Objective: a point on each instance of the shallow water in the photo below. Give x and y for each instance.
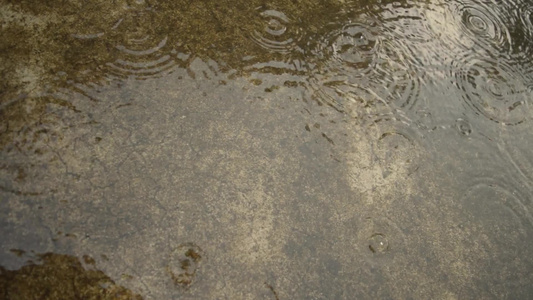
(283, 150)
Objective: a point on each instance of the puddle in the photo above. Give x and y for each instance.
(289, 150)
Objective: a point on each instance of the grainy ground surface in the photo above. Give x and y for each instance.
(280, 150)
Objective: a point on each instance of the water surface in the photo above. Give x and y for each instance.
(280, 150)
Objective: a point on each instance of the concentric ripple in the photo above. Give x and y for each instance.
(142, 54)
(345, 97)
(469, 25)
(357, 62)
(484, 24)
(275, 32)
(346, 58)
(496, 91)
(499, 209)
(351, 50)
(397, 153)
(398, 79)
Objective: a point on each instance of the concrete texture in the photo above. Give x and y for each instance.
(248, 173)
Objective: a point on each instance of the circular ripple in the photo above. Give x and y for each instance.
(405, 20)
(345, 97)
(380, 238)
(345, 62)
(502, 212)
(468, 25)
(483, 23)
(275, 32)
(397, 80)
(351, 50)
(495, 91)
(142, 54)
(397, 153)
(184, 263)
(522, 31)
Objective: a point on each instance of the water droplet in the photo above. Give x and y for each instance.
(378, 243)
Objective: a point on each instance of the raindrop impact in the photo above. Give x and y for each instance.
(495, 90)
(344, 58)
(275, 31)
(397, 153)
(477, 24)
(142, 54)
(350, 50)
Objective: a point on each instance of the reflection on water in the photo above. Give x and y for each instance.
(310, 149)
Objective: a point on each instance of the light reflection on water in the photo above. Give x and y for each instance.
(348, 140)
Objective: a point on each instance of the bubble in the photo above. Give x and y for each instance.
(184, 264)
(495, 90)
(380, 238)
(275, 32)
(378, 243)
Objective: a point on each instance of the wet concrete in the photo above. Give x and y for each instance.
(302, 150)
